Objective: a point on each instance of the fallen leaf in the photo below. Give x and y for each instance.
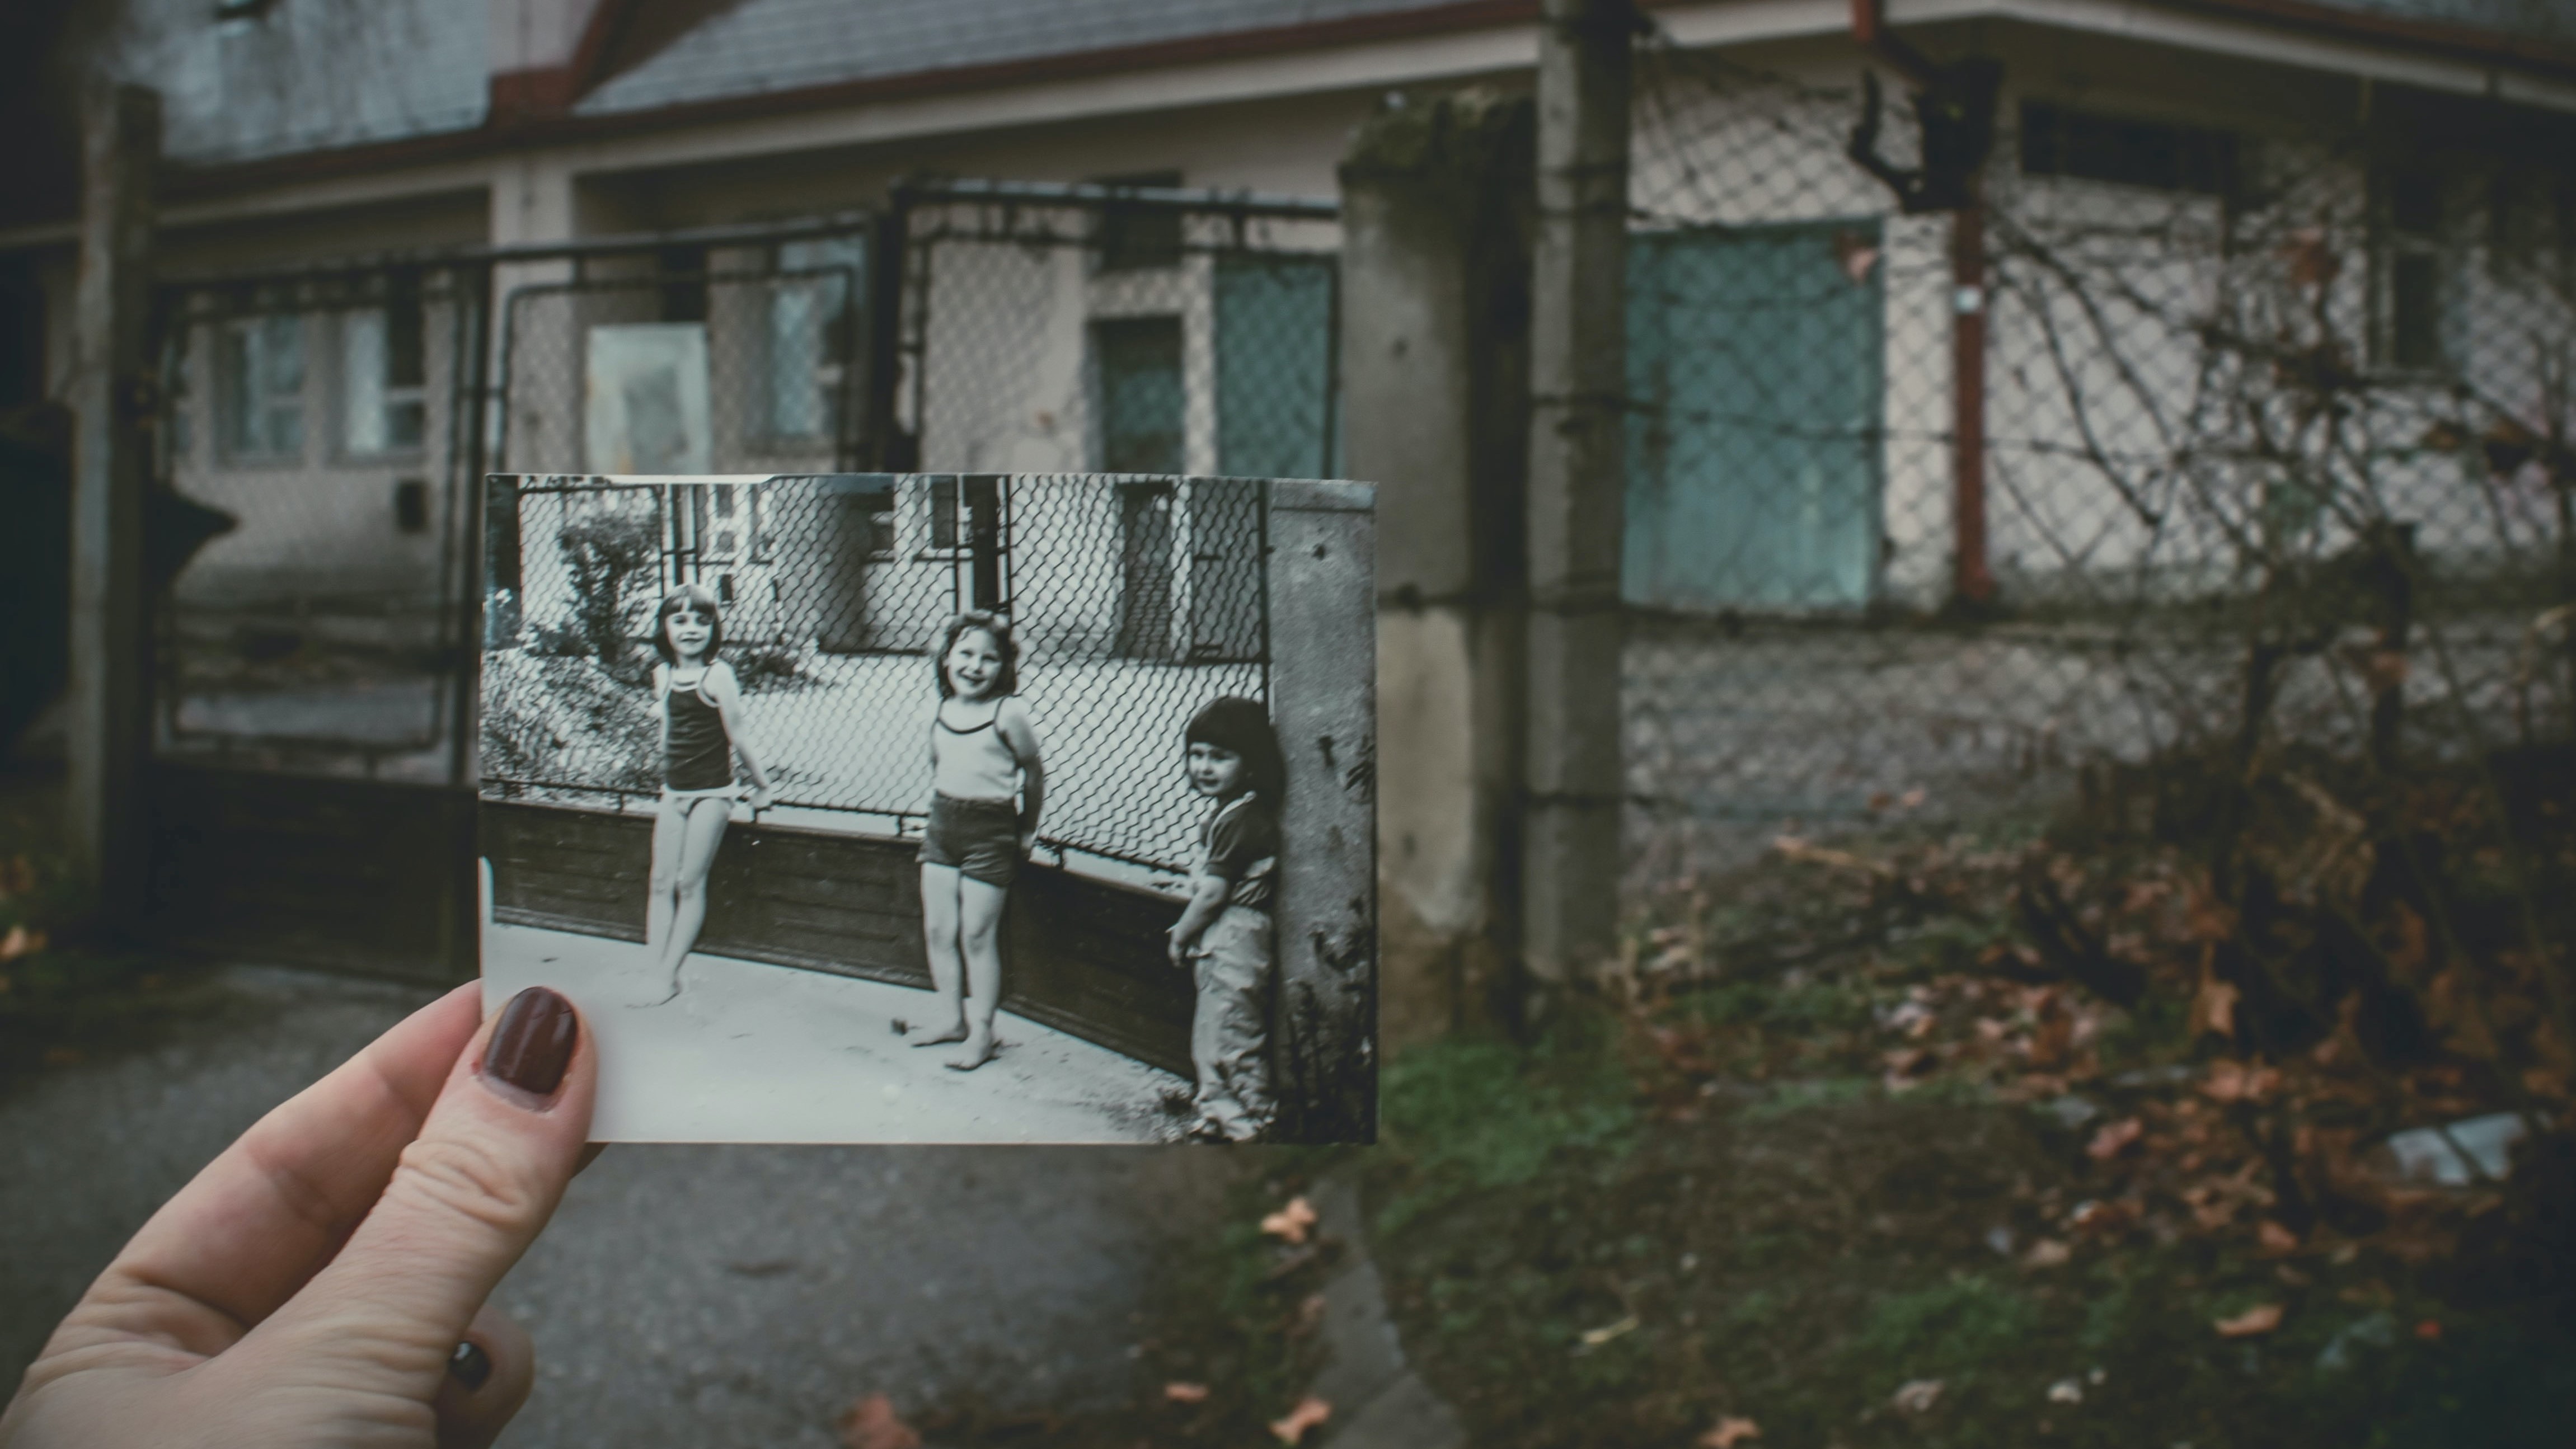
(1292, 1222)
(1310, 1411)
(2276, 1238)
(2429, 1330)
(2066, 1391)
(1310, 1315)
(1595, 1337)
(1180, 1392)
(1730, 1431)
(1917, 1396)
(21, 942)
(2114, 1138)
(2047, 1253)
(2213, 1009)
(2260, 1319)
(871, 1424)
(2236, 1082)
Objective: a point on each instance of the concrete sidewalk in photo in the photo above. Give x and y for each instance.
(685, 1295)
(753, 1052)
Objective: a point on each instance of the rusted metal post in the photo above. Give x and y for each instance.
(1972, 585)
(111, 395)
(1571, 776)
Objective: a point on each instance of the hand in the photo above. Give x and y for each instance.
(1179, 950)
(311, 1285)
(763, 798)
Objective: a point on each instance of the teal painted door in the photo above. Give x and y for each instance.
(1755, 361)
(1274, 372)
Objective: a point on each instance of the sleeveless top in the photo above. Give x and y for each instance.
(697, 754)
(974, 763)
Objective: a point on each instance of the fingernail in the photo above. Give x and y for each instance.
(469, 1365)
(529, 1048)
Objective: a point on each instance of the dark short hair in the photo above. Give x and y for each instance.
(1241, 726)
(696, 597)
(990, 623)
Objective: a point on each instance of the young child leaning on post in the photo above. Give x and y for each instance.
(1224, 935)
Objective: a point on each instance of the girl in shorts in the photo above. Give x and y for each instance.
(988, 784)
(700, 705)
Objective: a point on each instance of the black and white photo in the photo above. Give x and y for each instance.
(939, 808)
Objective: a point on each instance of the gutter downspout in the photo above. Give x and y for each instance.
(1972, 585)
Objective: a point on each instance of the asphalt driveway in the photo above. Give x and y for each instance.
(684, 1295)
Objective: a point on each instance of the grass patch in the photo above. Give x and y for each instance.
(1478, 1114)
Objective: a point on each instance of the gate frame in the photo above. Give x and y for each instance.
(868, 436)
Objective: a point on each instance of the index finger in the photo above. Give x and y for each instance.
(248, 1231)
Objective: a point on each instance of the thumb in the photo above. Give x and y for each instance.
(466, 1199)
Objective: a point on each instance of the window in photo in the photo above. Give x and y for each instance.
(943, 515)
(261, 363)
(384, 407)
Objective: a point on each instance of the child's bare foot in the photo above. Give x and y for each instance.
(667, 997)
(980, 1048)
(925, 1039)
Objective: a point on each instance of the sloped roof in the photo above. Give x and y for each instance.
(301, 75)
(323, 75)
(783, 45)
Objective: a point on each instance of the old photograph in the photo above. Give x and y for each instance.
(939, 808)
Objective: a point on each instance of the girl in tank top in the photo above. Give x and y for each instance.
(988, 783)
(700, 706)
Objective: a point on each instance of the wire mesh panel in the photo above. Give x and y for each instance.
(1124, 330)
(2271, 448)
(329, 415)
(688, 360)
(1133, 601)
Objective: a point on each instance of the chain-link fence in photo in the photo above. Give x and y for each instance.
(2271, 450)
(1133, 602)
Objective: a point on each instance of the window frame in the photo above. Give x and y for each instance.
(403, 339)
(232, 370)
(2404, 246)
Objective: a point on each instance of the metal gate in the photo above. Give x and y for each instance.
(316, 752)
(312, 755)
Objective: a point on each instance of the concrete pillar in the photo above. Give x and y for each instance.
(1323, 702)
(111, 398)
(1434, 374)
(1577, 489)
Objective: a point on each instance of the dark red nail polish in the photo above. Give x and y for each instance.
(531, 1046)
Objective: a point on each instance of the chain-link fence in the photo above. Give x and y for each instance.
(2272, 450)
(329, 413)
(1119, 329)
(1133, 602)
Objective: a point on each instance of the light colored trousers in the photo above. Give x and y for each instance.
(1230, 1031)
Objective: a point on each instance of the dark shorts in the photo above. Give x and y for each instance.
(979, 839)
